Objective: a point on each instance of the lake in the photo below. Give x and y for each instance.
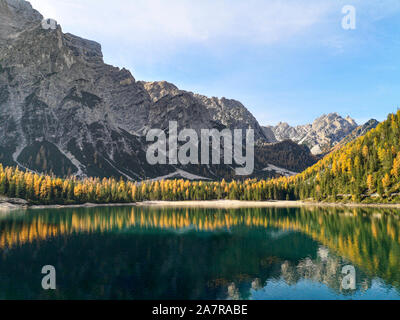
(179, 253)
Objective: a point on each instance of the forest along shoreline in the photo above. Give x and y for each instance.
(7, 204)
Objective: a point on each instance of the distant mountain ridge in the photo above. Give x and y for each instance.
(320, 136)
(365, 169)
(356, 133)
(228, 113)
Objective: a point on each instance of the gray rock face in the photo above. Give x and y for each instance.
(269, 134)
(357, 132)
(16, 16)
(196, 111)
(232, 114)
(63, 110)
(324, 133)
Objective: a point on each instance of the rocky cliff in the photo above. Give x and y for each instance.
(356, 133)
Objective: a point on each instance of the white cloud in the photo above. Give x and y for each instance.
(152, 32)
(153, 27)
(173, 22)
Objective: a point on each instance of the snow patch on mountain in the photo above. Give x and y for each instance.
(178, 174)
(281, 171)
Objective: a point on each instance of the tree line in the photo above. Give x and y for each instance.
(366, 169)
(46, 189)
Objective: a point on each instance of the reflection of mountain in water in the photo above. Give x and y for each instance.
(140, 253)
(325, 269)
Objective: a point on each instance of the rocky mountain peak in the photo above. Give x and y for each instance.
(283, 125)
(325, 132)
(19, 9)
(83, 47)
(351, 121)
(160, 89)
(357, 132)
(16, 16)
(333, 121)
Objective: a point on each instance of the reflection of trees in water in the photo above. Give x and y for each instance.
(146, 265)
(132, 253)
(367, 238)
(68, 222)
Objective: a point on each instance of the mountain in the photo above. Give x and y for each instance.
(366, 169)
(320, 136)
(270, 134)
(356, 133)
(285, 158)
(64, 111)
(169, 103)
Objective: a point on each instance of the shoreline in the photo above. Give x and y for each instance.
(227, 204)
(211, 204)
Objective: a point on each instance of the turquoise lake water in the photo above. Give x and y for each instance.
(164, 253)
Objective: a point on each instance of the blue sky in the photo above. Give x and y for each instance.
(285, 60)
